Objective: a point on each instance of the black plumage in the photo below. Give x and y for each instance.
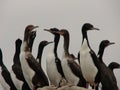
(69, 63)
(108, 79)
(88, 59)
(6, 74)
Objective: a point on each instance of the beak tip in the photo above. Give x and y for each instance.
(113, 42)
(45, 29)
(97, 29)
(36, 26)
(50, 42)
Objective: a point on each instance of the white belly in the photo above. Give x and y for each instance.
(68, 73)
(27, 71)
(88, 68)
(18, 84)
(52, 72)
(4, 85)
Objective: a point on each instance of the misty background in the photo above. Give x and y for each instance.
(15, 15)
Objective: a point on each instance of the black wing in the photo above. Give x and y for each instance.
(37, 68)
(77, 71)
(95, 59)
(6, 74)
(79, 57)
(97, 64)
(59, 66)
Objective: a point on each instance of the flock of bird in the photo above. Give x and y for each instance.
(28, 74)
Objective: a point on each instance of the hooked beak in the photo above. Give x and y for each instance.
(50, 42)
(111, 43)
(55, 32)
(95, 29)
(34, 28)
(48, 30)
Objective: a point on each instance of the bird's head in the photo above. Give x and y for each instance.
(30, 28)
(87, 26)
(106, 43)
(52, 30)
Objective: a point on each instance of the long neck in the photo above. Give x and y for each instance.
(110, 67)
(66, 43)
(25, 45)
(100, 53)
(1, 59)
(31, 41)
(40, 51)
(85, 37)
(16, 58)
(56, 41)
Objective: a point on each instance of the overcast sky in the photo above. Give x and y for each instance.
(15, 15)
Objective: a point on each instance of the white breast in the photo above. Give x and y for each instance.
(27, 71)
(68, 72)
(88, 68)
(52, 72)
(5, 86)
(18, 84)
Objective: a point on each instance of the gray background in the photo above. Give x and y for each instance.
(68, 14)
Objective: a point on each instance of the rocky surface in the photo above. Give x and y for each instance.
(66, 87)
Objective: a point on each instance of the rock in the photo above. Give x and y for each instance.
(65, 87)
(48, 88)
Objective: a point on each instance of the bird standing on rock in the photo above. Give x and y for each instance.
(88, 60)
(71, 69)
(30, 67)
(53, 63)
(17, 74)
